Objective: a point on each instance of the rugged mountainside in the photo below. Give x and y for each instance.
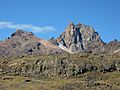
(76, 38)
(79, 38)
(31, 63)
(25, 43)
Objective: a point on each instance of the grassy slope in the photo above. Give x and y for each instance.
(86, 81)
(106, 81)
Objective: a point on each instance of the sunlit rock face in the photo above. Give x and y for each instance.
(78, 38)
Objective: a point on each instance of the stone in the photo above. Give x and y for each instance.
(24, 43)
(17, 33)
(73, 48)
(78, 38)
(37, 44)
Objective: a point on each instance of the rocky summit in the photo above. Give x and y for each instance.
(23, 43)
(79, 38)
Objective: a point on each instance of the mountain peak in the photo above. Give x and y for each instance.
(19, 33)
(26, 43)
(79, 24)
(71, 24)
(80, 37)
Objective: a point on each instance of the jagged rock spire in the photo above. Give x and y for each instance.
(80, 37)
(79, 24)
(71, 24)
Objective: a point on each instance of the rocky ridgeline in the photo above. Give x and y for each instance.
(75, 39)
(23, 43)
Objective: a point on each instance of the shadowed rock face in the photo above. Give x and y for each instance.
(25, 43)
(78, 38)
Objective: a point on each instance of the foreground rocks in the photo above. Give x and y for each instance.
(64, 71)
(64, 66)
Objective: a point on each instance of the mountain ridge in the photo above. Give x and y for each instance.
(79, 38)
(42, 63)
(75, 39)
(25, 43)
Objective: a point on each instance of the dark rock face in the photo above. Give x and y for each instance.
(25, 43)
(80, 37)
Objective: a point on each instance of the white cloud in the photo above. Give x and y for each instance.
(32, 28)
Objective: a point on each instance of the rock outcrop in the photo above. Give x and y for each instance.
(25, 43)
(113, 47)
(63, 65)
(78, 38)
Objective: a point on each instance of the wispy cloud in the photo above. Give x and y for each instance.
(33, 28)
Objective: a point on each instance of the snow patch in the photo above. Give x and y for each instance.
(65, 49)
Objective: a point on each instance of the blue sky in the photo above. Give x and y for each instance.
(47, 18)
